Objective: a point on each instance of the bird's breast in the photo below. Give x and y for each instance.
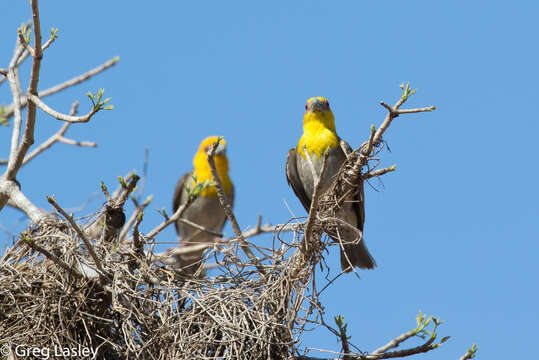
(317, 140)
(335, 159)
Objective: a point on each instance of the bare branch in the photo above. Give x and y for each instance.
(179, 212)
(470, 353)
(14, 84)
(53, 258)
(264, 229)
(21, 58)
(225, 204)
(396, 112)
(313, 210)
(17, 199)
(426, 347)
(74, 81)
(49, 42)
(106, 192)
(379, 172)
(138, 209)
(58, 137)
(144, 171)
(123, 196)
(25, 44)
(138, 244)
(16, 159)
(81, 233)
(395, 342)
(393, 112)
(77, 143)
(200, 227)
(109, 223)
(247, 234)
(64, 117)
(353, 175)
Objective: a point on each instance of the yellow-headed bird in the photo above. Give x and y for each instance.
(205, 210)
(320, 139)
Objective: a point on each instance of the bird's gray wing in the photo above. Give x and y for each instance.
(294, 180)
(179, 197)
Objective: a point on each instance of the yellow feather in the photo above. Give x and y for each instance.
(203, 172)
(319, 133)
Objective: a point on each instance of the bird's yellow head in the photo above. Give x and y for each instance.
(207, 144)
(318, 113)
(319, 133)
(202, 167)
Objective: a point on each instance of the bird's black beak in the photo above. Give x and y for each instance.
(317, 106)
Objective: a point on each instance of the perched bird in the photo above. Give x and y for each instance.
(205, 210)
(320, 139)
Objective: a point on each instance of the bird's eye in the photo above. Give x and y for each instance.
(305, 106)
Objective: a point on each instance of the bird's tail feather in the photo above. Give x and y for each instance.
(356, 254)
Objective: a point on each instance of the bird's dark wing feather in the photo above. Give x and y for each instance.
(178, 198)
(293, 179)
(359, 203)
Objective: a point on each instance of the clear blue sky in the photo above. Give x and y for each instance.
(453, 230)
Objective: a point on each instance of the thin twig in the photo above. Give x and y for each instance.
(426, 347)
(144, 171)
(123, 196)
(106, 192)
(77, 143)
(71, 82)
(396, 111)
(374, 139)
(27, 47)
(58, 137)
(468, 355)
(137, 243)
(313, 209)
(225, 204)
(395, 342)
(393, 112)
(379, 172)
(201, 228)
(48, 42)
(134, 216)
(34, 99)
(81, 233)
(247, 234)
(267, 229)
(53, 258)
(177, 214)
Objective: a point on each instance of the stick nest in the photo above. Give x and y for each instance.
(52, 294)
